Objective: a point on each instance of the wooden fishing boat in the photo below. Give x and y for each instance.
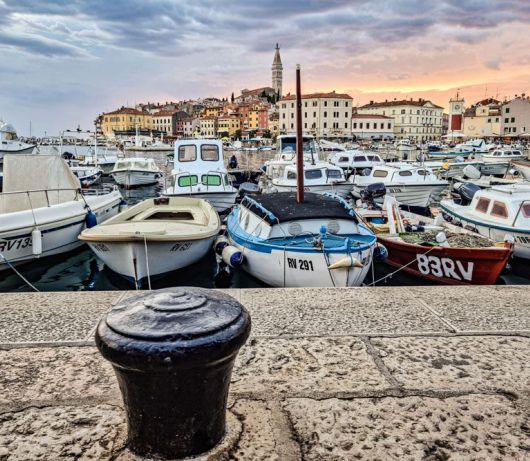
(436, 250)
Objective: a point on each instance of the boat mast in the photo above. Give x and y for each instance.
(299, 141)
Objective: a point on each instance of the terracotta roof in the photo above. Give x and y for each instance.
(257, 91)
(402, 102)
(165, 113)
(334, 95)
(125, 110)
(369, 116)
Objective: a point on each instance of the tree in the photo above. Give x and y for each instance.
(237, 134)
(232, 98)
(267, 134)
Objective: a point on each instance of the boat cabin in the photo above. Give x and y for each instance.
(286, 147)
(509, 154)
(314, 174)
(356, 160)
(396, 174)
(506, 205)
(199, 165)
(136, 164)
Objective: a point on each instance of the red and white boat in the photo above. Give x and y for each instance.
(479, 261)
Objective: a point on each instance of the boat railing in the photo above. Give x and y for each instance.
(523, 203)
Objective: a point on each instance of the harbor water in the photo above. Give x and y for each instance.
(81, 270)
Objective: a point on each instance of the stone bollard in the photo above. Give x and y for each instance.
(173, 351)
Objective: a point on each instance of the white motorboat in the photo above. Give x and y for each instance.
(9, 143)
(42, 209)
(504, 155)
(155, 237)
(102, 157)
(148, 145)
(136, 171)
(523, 168)
(318, 243)
(319, 177)
(356, 160)
(87, 175)
(199, 171)
(496, 212)
(286, 148)
(475, 146)
(410, 185)
(404, 145)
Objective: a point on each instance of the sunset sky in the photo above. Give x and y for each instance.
(64, 62)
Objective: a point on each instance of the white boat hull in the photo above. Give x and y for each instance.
(342, 190)
(136, 178)
(129, 259)
(522, 240)
(411, 195)
(59, 225)
(24, 149)
(297, 269)
(523, 169)
(221, 201)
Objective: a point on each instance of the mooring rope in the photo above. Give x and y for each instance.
(18, 273)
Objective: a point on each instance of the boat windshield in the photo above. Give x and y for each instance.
(335, 174)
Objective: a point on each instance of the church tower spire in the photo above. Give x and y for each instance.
(277, 72)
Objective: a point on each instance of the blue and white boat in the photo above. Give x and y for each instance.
(318, 243)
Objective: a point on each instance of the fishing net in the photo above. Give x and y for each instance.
(454, 240)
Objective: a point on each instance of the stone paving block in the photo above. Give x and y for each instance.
(42, 317)
(334, 311)
(491, 308)
(305, 366)
(58, 373)
(62, 433)
(455, 363)
(264, 438)
(474, 427)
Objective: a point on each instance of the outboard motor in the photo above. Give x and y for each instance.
(373, 191)
(467, 192)
(247, 188)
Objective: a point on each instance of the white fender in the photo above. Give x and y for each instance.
(36, 241)
(347, 261)
(232, 256)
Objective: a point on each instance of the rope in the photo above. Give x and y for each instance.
(399, 269)
(18, 273)
(147, 263)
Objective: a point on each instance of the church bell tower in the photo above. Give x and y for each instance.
(277, 72)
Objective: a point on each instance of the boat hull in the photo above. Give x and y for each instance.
(342, 189)
(136, 178)
(129, 259)
(409, 194)
(59, 225)
(497, 233)
(221, 201)
(523, 169)
(22, 150)
(449, 266)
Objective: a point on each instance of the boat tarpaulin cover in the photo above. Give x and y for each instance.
(38, 180)
(284, 206)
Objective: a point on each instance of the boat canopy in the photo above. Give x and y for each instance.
(198, 155)
(283, 207)
(35, 181)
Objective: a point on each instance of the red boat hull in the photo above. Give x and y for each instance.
(449, 266)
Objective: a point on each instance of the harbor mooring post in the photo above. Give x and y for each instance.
(173, 351)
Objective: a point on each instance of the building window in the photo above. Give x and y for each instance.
(325, 125)
(507, 110)
(305, 114)
(346, 114)
(361, 125)
(335, 103)
(389, 126)
(314, 104)
(346, 125)
(325, 104)
(292, 126)
(292, 105)
(355, 125)
(506, 120)
(346, 104)
(314, 114)
(382, 125)
(305, 125)
(305, 104)
(512, 120)
(325, 114)
(402, 111)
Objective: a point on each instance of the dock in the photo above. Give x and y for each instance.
(402, 373)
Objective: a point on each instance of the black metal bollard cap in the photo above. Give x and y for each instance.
(173, 328)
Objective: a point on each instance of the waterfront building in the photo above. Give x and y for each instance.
(324, 114)
(208, 127)
(190, 126)
(125, 119)
(372, 126)
(213, 111)
(516, 116)
(419, 120)
(228, 125)
(166, 121)
(273, 125)
(455, 123)
(242, 111)
(483, 119)
(258, 118)
(277, 72)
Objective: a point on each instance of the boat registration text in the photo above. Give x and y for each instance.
(444, 267)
